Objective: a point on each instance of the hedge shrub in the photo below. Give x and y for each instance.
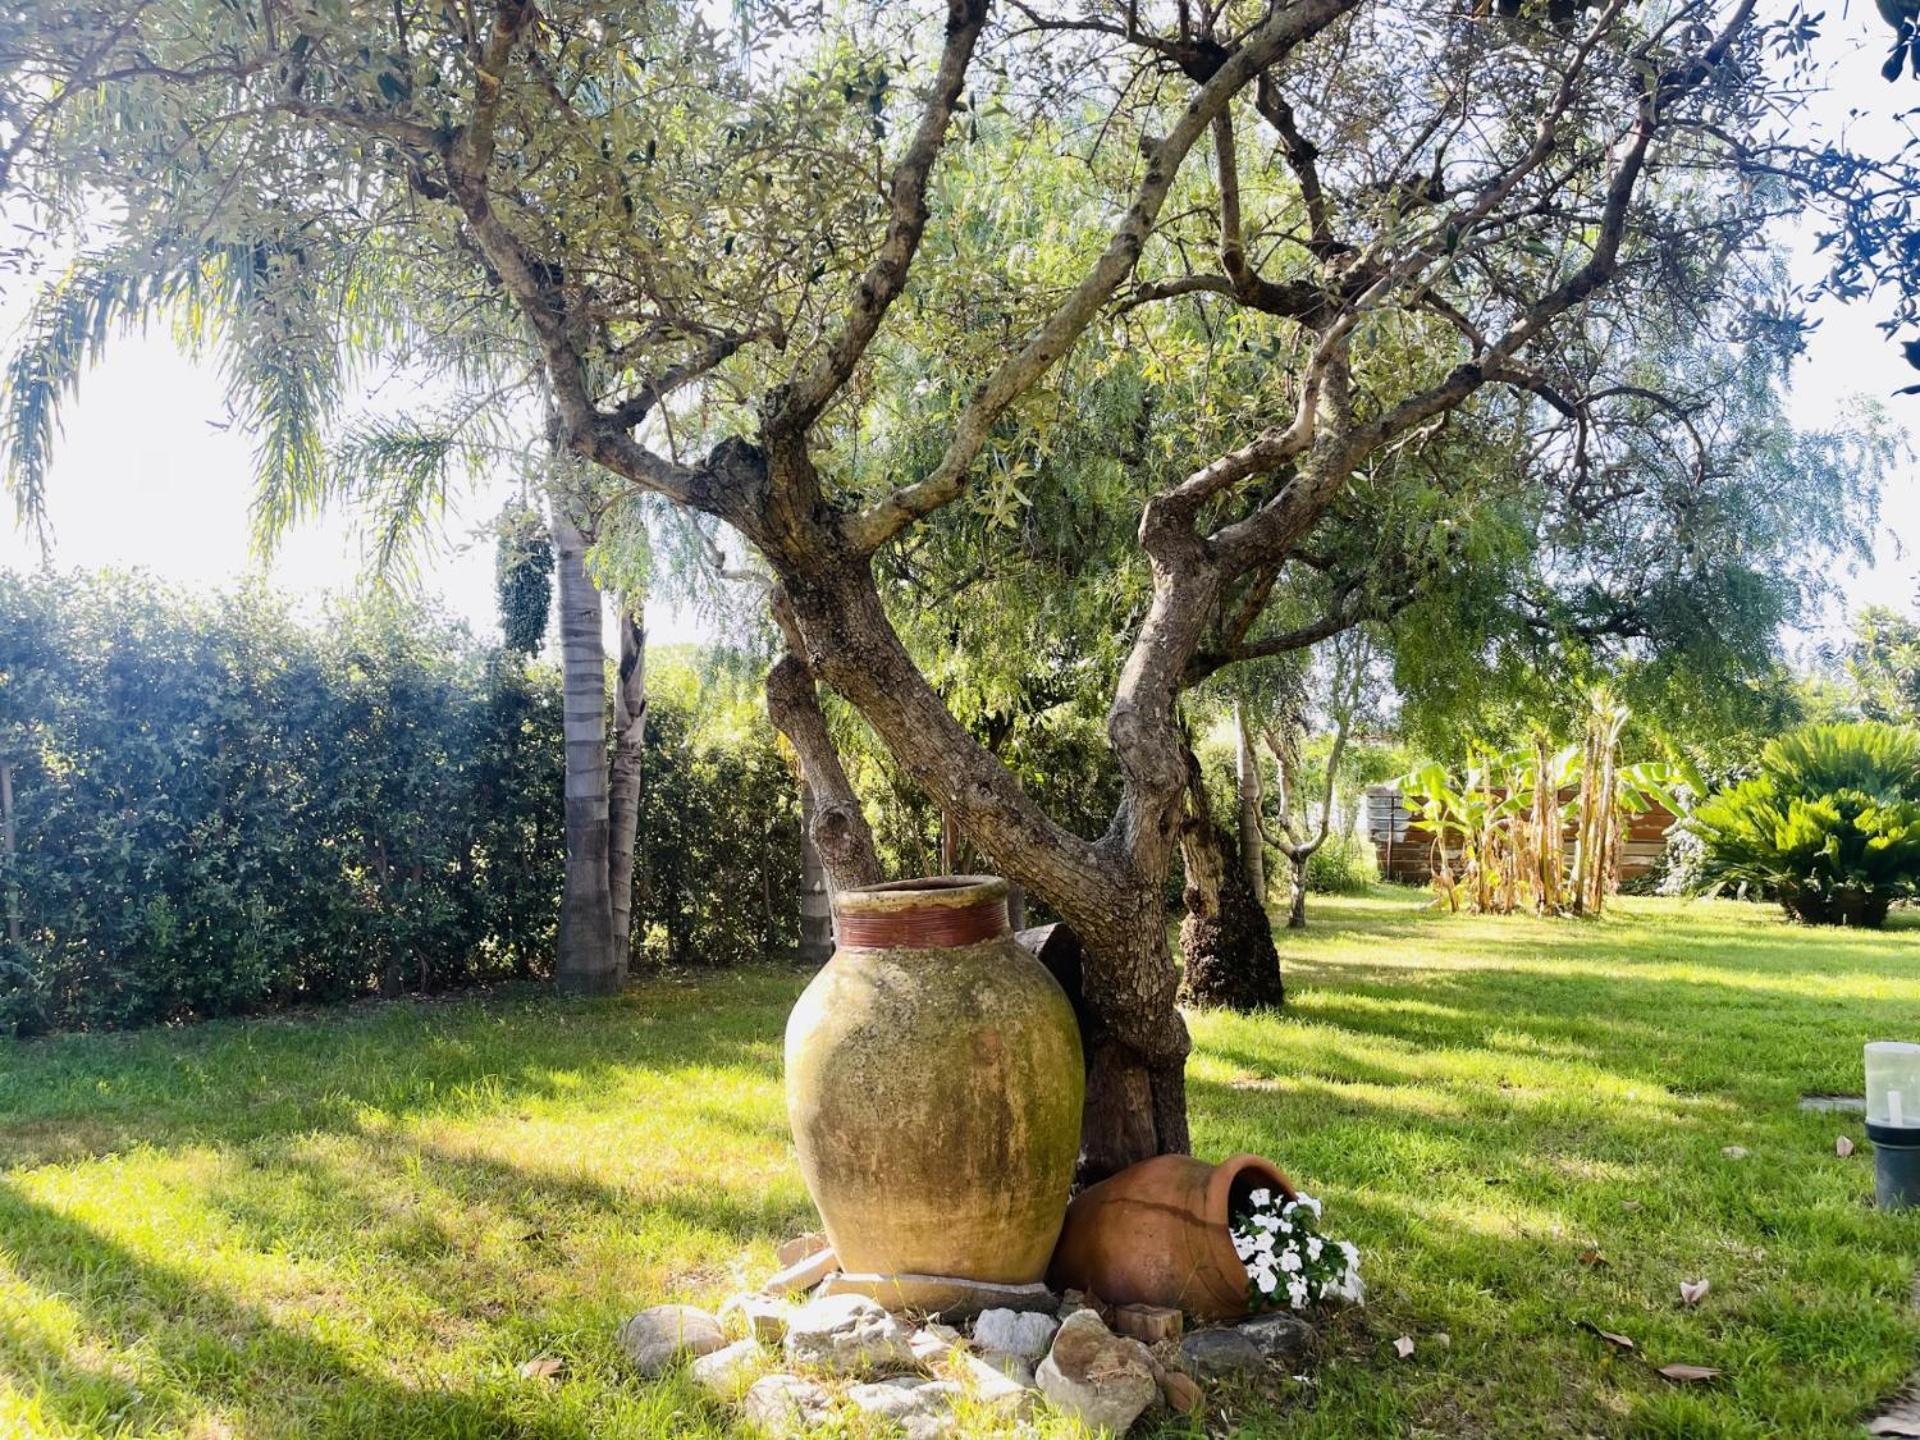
(220, 809)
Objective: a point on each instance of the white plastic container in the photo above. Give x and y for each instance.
(1893, 1085)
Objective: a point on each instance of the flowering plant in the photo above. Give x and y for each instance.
(1289, 1262)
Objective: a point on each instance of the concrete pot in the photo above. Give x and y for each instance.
(934, 1086)
(1156, 1234)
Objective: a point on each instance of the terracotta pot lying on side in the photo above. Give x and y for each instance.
(1156, 1234)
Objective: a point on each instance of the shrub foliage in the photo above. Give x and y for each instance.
(220, 809)
(1830, 826)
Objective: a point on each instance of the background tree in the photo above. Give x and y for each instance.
(1884, 665)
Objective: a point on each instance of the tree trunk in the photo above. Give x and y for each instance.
(8, 851)
(586, 963)
(836, 825)
(1246, 772)
(816, 905)
(1226, 938)
(1297, 901)
(625, 781)
(1135, 1039)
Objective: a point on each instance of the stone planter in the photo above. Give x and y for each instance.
(1156, 1234)
(934, 1086)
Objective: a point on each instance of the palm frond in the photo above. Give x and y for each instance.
(101, 295)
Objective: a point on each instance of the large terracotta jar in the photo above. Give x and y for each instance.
(1156, 1234)
(934, 1085)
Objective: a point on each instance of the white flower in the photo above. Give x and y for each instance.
(1264, 1278)
(1290, 1262)
(1259, 1198)
(1267, 1222)
(1306, 1202)
(1263, 1243)
(1352, 1252)
(1314, 1247)
(1349, 1287)
(1243, 1247)
(1297, 1293)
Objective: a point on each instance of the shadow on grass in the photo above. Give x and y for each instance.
(228, 1082)
(183, 1352)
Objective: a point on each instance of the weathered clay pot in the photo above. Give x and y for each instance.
(934, 1085)
(1156, 1234)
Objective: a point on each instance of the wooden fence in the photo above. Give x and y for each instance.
(1404, 847)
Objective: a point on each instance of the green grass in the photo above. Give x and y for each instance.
(361, 1224)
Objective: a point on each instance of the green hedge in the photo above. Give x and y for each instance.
(220, 809)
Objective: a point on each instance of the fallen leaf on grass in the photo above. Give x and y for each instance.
(1592, 1258)
(1618, 1341)
(1692, 1292)
(1689, 1374)
(1403, 1347)
(1734, 1152)
(547, 1367)
(1629, 1205)
(1843, 1147)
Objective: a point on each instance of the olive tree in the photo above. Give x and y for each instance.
(1414, 214)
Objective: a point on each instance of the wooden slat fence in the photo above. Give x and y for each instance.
(1405, 849)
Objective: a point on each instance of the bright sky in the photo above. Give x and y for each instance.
(150, 475)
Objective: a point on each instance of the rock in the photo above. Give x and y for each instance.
(800, 1247)
(1221, 1354)
(658, 1336)
(726, 1372)
(923, 1408)
(1006, 1389)
(1012, 1332)
(1076, 1300)
(1181, 1392)
(904, 1395)
(947, 1297)
(1149, 1324)
(762, 1316)
(1101, 1378)
(847, 1334)
(1016, 1368)
(785, 1405)
(803, 1274)
(1283, 1338)
(931, 1342)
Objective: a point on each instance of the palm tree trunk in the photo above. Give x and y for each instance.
(1247, 784)
(585, 964)
(626, 779)
(7, 853)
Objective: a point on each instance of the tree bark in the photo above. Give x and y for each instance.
(626, 781)
(1246, 772)
(836, 825)
(816, 904)
(586, 964)
(1135, 1038)
(1226, 938)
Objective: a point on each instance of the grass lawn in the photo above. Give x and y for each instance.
(361, 1224)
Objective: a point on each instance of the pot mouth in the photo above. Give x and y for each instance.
(931, 911)
(1233, 1179)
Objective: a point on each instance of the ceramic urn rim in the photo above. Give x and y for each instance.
(1219, 1193)
(934, 911)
